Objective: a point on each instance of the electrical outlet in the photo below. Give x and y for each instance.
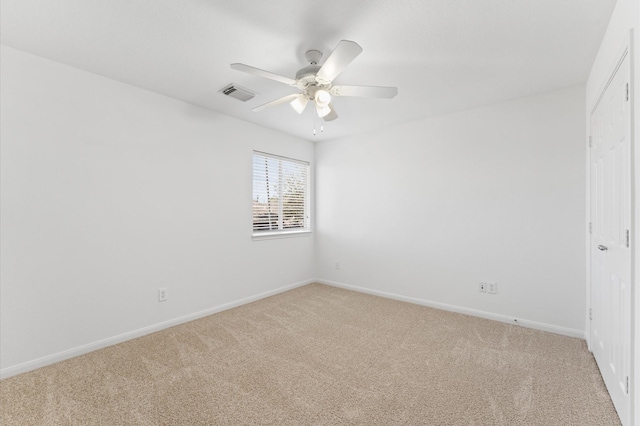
(492, 288)
(338, 266)
(162, 295)
(482, 287)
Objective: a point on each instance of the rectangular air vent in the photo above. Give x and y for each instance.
(237, 92)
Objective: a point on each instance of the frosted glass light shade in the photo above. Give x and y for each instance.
(322, 110)
(299, 103)
(322, 98)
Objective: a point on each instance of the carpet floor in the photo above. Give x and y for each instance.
(319, 355)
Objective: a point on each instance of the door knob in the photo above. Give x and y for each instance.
(602, 248)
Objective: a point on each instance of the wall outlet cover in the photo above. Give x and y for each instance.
(162, 295)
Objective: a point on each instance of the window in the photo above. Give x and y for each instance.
(280, 195)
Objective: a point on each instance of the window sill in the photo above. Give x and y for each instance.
(280, 234)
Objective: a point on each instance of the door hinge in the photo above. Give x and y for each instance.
(590, 317)
(589, 141)
(590, 228)
(627, 238)
(627, 384)
(626, 96)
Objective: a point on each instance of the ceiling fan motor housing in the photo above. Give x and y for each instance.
(307, 76)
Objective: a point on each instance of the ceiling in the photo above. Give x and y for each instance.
(443, 55)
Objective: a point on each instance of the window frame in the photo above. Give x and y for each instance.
(282, 232)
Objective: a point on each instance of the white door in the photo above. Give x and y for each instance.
(610, 166)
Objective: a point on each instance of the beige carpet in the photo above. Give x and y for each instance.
(319, 355)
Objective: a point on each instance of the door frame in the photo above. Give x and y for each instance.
(627, 49)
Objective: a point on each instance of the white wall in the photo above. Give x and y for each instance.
(625, 18)
(428, 209)
(110, 192)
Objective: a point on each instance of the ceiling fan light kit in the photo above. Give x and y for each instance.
(323, 111)
(322, 97)
(299, 103)
(316, 81)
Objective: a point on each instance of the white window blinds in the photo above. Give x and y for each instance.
(280, 194)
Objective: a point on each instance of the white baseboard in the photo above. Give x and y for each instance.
(90, 347)
(467, 311)
(81, 350)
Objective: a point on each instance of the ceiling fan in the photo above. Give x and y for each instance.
(316, 81)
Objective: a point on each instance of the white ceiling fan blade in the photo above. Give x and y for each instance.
(332, 115)
(263, 73)
(365, 91)
(287, 98)
(344, 53)
(300, 103)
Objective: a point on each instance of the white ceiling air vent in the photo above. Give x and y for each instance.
(237, 92)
